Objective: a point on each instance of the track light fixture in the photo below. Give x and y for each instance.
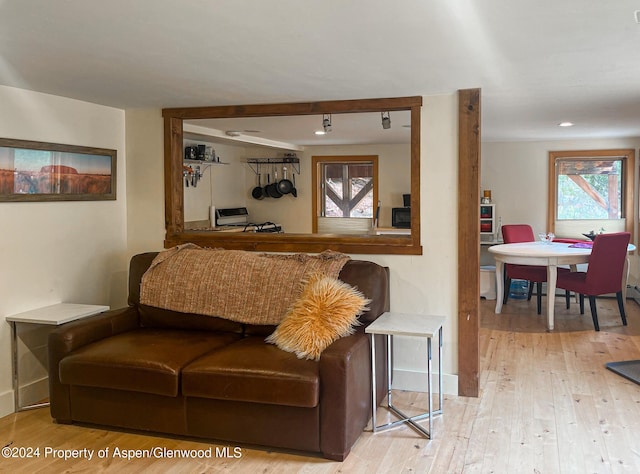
(386, 120)
(326, 122)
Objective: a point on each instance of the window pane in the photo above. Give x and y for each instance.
(331, 208)
(364, 205)
(589, 189)
(335, 184)
(348, 189)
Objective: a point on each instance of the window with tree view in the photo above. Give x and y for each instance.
(345, 197)
(591, 191)
(347, 189)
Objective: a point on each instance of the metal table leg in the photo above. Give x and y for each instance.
(403, 418)
(16, 377)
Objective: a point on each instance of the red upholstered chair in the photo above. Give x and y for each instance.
(603, 275)
(515, 233)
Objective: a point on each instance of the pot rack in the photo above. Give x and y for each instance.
(256, 163)
(203, 163)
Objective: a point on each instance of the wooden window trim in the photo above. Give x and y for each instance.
(316, 197)
(628, 157)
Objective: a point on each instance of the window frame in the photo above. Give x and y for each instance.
(317, 195)
(176, 234)
(627, 156)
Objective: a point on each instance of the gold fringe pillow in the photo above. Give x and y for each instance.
(327, 310)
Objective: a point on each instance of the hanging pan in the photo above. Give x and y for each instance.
(258, 191)
(284, 185)
(294, 190)
(272, 188)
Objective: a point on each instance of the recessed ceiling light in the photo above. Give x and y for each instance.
(232, 133)
(565, 124)
(320, 132)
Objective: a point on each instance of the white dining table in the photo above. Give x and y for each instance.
(546, 254)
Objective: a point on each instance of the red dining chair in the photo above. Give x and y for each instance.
(516, 233)
(603, 275)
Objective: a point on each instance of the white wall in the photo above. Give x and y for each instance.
(145, 181)
(424, 284)
(520, 169)
(59, 251)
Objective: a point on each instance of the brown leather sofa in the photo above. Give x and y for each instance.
(146, 368)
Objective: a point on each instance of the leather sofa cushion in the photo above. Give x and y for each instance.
(144, 360)
(251, 370)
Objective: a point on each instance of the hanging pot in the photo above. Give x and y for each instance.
(284, 185)
(258, 191)
(294, 191)
(265, 190)
(272, 188)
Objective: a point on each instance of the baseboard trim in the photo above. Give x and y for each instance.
(6, 403)
(416, 381)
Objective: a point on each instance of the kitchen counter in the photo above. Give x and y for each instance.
(222, 228)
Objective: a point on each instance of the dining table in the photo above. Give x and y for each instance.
(551, 255)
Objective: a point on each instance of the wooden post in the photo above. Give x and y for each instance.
(468, 242)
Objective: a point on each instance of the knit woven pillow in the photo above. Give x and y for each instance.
(327, 310)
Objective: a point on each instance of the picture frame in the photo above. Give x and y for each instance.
(40, 171)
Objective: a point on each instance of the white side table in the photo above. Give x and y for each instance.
(54, 315)
(414, 325)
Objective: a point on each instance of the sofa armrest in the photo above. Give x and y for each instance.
(345, 392)
(70, 337)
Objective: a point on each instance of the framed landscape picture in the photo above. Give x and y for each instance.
(37, 171)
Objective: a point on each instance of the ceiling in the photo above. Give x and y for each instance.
(537, 65)
(282, 132)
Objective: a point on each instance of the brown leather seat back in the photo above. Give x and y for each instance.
(373, 281)
(139, 264)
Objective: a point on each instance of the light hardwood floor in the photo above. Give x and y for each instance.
(547, 405)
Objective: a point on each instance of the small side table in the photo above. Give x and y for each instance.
(414, 325)
(54, 315)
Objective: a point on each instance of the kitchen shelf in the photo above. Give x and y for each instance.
(204, 164)
(255, 163)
